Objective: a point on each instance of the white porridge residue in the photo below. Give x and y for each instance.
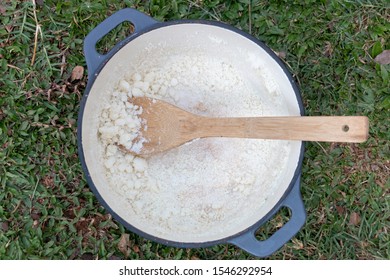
(206, 181)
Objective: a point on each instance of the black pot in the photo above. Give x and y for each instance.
(104, 69)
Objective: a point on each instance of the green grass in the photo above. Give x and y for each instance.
(46, 208)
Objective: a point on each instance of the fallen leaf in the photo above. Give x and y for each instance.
(340, 210)
(136, 249)
(77, 73)
(82, 226)
(328, 49)
(4, 226)
(9, 28)
(374, 167)
(34, 216)
(354, 219)
(123, 244)
(383, 58)
(48, 181)
(2, 10)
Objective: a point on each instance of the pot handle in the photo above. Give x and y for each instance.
(248, 242)
(93, 58)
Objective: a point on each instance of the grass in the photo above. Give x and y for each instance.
(46, 208)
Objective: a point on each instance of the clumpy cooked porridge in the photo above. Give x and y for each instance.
(195, 188)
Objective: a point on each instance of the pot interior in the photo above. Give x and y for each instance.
(230, 197)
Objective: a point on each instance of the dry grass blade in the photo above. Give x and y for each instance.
(37, 30)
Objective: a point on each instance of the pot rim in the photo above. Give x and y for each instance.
(91, 80)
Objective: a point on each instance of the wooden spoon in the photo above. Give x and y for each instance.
(167, 126)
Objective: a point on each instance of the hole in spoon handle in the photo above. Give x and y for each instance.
(345, 128)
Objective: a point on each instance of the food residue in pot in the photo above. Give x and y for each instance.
(206, 181)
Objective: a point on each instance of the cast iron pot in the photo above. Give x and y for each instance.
(238, 46)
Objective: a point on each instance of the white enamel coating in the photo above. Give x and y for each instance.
(171, 40)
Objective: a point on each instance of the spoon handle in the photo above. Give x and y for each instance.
(352, 129)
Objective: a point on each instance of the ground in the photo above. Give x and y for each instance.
(336, 51)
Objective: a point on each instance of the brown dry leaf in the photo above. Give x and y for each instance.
(9, 28)
(383, 58)
(2, 10)
(354, 219)
(328, 49)
(340, 210)
(48, 181)
(82, 226)
(124, 243)
(34, 216)
(136, 249)
(4, 226)
(77, 73)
